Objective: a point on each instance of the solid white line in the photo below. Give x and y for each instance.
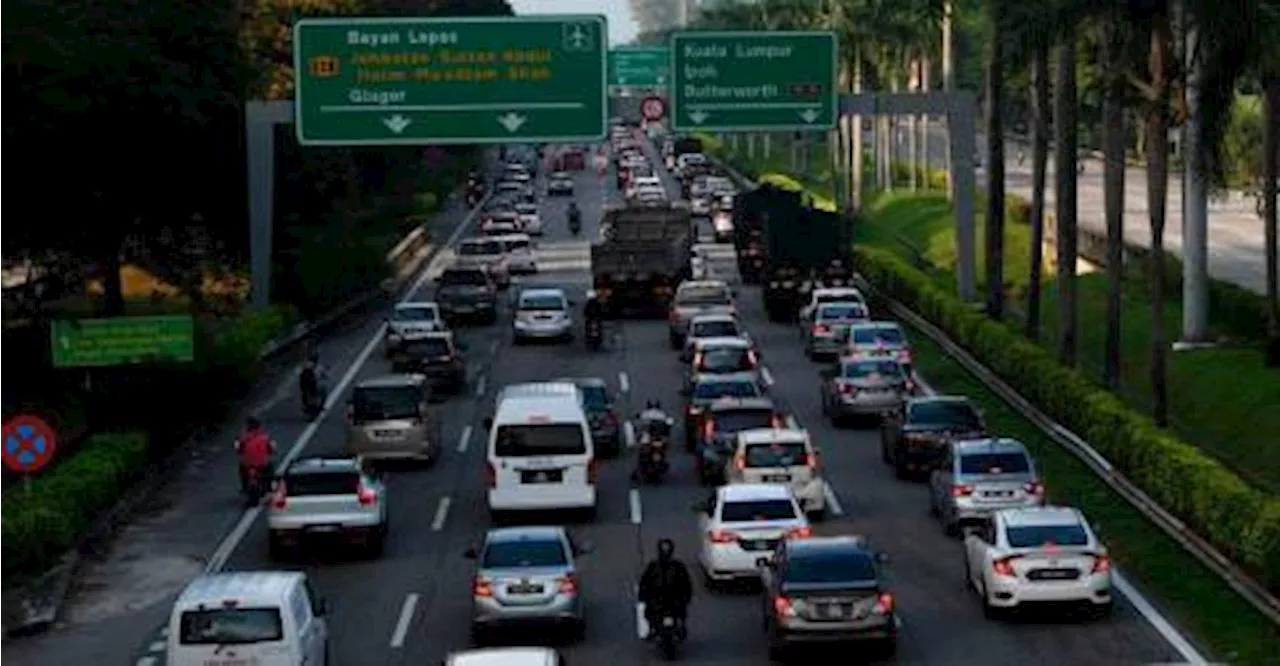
(493, 347)
(1158, 622)
(146, 661)
(233, 538)
(629, 434)
(624, 382)
(442, 513)
(925, 387)
(480, 386)
(465, 440)
(406, 617)
(636, 514)
(768, 376)
(833, 502)
(642, 626)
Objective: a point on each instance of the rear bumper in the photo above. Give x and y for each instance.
(523, 499)
(840, 633)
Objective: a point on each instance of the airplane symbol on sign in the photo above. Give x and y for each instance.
(577, 37)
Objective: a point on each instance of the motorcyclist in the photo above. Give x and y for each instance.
(666, 587)
(654, 426)
(575, 215)
(311, 380)
(592, 310)
(254, 448)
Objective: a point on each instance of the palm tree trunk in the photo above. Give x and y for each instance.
(1270, 173)
(913, 145)
(1114, 143)
(1065, 110)
(994, 223)
(1160, 68)
(927, 163)
(857, 162)
(1039, 163)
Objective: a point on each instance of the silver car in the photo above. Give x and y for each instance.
(829, 329)
(861, 386)
(526, 575)
(880, 338)
(409, 319)
(697, 297)
(542, 314)
(327, 497)
(978, 477)
(707, 326)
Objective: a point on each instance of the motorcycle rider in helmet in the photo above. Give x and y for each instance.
(575, 218)
(654, 427)
(666, 587)
(311, 380)
(593, 311)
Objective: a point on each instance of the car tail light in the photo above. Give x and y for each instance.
(811, 460)
(708, 429)
(1004, 567)
(481, 587)
(848, 389)
(800, 533)
(567, 585)
(753, 358)
(783, 607)
(1101, 564)
(697, 360)
(366, 496)
(280, 498)
(593, 471)
(904, 355)
(722, 536)
(674, 316)
(1034, 488)
(820, 329)
(490, 475)
(740, 461)
(884, 604)
(961, 490)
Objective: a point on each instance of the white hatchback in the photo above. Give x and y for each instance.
(741, 526)
(784, 456)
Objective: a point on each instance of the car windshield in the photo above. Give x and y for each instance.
(523, 554)
(463, 278)
(594, 395)
(384, 403)
(480, 248)
(230, 626)
(754, 510)
(870, 335)
(775, 454)
(427, 347)
(415, 313)
(734, 421)
(721, 389)
(864, 369)
(527, 209)
(830, 568)
(542, 303)
(842, 311)
(726, 360)
(529, 440)
(994, 463)
(321, 483)
(703, 295)
(836, 298)
(955, 415)
(715, 329)
(517, 245)
(1034, 536)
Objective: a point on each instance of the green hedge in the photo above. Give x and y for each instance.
(42, 523)
(1240, 521)
(231, 345)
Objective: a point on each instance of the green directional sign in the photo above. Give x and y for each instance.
(641, 66)
(753, 81)
(416, 81)
(83, 343)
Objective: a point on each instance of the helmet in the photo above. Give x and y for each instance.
(252, 423)
(666, 548)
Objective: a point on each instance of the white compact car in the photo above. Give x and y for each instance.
(1039, 554)
(530, 219)
(542, 314)
(521, 259)
(741, 526)
(829, 295)
(783, 456)
(409, 319)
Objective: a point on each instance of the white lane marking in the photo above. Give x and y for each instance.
(157, 646)
(493, 347)
(146, 661)
(766, 375)
(233, 538)
(465, 440)
(480, 386)
(833, 501)
(281, 393)
(405, 619)
(636, 514)
(1158, 622)
(642, 625)
(442, 513)
(624, 382)
(925, 387)
(629, 434)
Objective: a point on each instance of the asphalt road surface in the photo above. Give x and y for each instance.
(411, 606)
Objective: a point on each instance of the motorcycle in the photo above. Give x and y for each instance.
(256, 480)
(575, 224)
(312, 404)
(594, 335)
(653, 459)
(668, 634)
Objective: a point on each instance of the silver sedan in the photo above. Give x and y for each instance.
(526, 576)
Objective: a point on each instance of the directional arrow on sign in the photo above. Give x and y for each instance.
(810, 115)
(698, 117)
(511, 121)
(397, 123)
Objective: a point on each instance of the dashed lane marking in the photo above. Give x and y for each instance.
(493, 347)
(624, 382)
(766, 375)
(406, 618)
(480, 386)
(629, 434)
(147, 661)
(157, 646)
(642, 625)
(442, 514)
(637, 516)
(464, 440)
(833, 501)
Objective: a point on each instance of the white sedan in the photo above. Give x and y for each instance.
(742, 525)
(1035, 555)
(530, 219)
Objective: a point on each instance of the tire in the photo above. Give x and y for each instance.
(378, 543)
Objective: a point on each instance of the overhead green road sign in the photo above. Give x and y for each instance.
(123, 341)
(641, 66)
(412, 81)
(753, 81)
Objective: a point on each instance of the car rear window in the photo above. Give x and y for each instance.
(480, 248)
(949, 414)
(529, 440)
(594, 396)
(750, 511)
(700, 295)
(386, 402)
(230, 626)
(522, 554)
(994, 463)
(742, 419)
(555, 303)
(890, 335)
(326, 483)
(516, 245)
(776, 454)
(1034, 536)
(427, 347)
(862, 369)
(422, 313)
(467, 278)
(726, 360)
(717, 389)
(836, 567)
(715, 329)
(842, 311)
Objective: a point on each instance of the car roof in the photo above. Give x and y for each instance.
(837, 291)
(524, 533)
(832, 305)
(539, 389)
(504, 656)
(716, 316)
(989, 445)
(392, 381)
(877, 325)
(324, 465)
(724, 378)
(742, 404)
(939, 399)
(1042, 515)
(746, 492)
(844, 543)
(543, 292)
(414, 305)
(246, 588)
(770, 435)
(705, 284)
(722, 341)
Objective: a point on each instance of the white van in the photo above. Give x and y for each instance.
(266, 618)
(540, 453)
(507, 656)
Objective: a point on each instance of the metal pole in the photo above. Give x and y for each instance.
(1195, 209)
(948, 83)
(260, 153)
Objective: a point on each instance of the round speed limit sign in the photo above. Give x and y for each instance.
(653, 108)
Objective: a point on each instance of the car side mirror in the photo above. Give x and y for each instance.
(487, 423)
(471, 553)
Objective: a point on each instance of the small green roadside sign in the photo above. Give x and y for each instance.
(753, 81)
(640, 66)
(420, 81)
(81, 343)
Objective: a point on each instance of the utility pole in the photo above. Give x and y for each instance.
(1195, 206)
(948, 80)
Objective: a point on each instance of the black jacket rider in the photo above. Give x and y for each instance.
(593, 310)
(665, 585)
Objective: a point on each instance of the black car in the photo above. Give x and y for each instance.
(716, 436)
(559, 184)
(602, 412)
(914, 439)
(706, 389)
(435, 355)
(464, 293)
(827, 590)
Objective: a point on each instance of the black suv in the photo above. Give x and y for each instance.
(915, 438)
(435, 355)
(467, 293)
(717, 431)
(601, 408)
(826, 590)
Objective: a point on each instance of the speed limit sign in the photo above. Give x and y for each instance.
(653, 108)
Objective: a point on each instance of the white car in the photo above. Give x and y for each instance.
(1039, 554)
(542, 314)
(783, 456)
(326, 497)
(693, 298)
(742, 525)
(530, 220)
(829, 295)
(409, 319)
(486, 253)
(716, 325)
(521, 259)
(644, 183)
(700, 206)
(500, 222)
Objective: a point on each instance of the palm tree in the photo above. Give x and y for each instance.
(1065, 108)
(994, 224)
(1114, 59)
(1039, 164)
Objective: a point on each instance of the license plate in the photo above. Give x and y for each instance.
(464, 308)
(1054, 574)
(525, 589)
(998, 493)
(833, 611)
(542, 476)
(777, 478)
(323, 529)
(387, 434)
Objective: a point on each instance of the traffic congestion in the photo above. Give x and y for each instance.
(617, 356)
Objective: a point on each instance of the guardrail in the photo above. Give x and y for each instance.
(1236, 578)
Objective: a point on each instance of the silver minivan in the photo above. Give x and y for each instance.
(387, 417)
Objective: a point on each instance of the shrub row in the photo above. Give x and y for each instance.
(45, 519)
(1242, 522)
